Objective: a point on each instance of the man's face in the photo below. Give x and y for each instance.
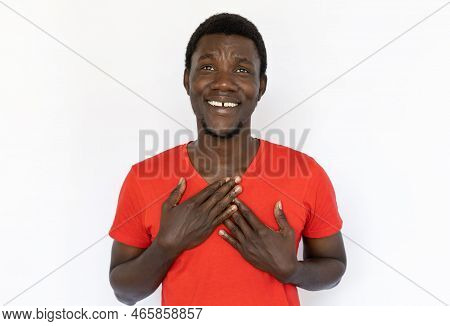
(224, 83)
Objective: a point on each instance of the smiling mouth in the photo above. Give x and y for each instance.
(227, 105)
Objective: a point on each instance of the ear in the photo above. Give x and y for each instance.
(186, 80)
(262, 86)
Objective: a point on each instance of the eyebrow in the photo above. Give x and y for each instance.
(206, 56)
(239, 59)
(243, 59)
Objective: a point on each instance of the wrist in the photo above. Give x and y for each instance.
(168, 250)
(290, 273)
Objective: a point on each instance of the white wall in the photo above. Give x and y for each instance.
(69, 133)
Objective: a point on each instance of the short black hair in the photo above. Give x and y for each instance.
(228, 24)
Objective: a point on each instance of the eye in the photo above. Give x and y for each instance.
(241, 69)
(207, 67)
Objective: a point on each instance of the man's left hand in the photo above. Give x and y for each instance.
(268, 250)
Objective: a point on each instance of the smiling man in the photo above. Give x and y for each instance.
(218, 220)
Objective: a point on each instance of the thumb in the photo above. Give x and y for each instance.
(176, 193)
(280, 217)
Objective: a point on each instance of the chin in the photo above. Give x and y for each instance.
(222, 132)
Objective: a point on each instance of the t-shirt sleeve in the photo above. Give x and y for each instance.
(128, 225)
(323, 218)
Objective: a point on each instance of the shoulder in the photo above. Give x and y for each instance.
(307, 165)
(285, 150)
(156, 165)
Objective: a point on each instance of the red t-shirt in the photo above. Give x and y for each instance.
(214, 273)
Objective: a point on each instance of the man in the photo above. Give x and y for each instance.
(218, 220)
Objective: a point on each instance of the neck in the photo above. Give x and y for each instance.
(218, 157)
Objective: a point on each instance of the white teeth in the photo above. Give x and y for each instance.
(224, 104)
(215, 103)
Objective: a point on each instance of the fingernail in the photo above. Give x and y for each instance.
(279, 204)
(227, 179)
(233, 208)
(237, 179)
(237, 189)
(221, 232)
(180, 181)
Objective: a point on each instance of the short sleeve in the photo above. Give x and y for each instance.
(324, 218)
(128, 225)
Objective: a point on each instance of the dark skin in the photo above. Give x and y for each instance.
(224, 68)
(136, 273)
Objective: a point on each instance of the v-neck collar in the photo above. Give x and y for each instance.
(192, 171)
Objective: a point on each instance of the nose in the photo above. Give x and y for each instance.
(224, 81)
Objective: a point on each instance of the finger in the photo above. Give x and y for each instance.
(248, 214)
(219, 194)
(224, 215)
(175, 194)
(280, 216)
(225, 201)
(206, 192)
(242, 223)
(235, 230)
(229, 239)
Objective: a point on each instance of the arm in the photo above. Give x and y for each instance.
(136, 273)
(274, 251)
(324, 263)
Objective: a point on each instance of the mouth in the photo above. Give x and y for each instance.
(223, 107)
(219, 104)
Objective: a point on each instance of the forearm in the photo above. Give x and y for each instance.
(316, 274)
(138, 278)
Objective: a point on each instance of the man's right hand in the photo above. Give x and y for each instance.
(186, 225)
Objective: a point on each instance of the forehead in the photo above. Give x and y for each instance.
(229, 45)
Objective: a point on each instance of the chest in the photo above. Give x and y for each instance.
(259, 195)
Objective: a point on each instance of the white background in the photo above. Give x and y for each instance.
(69, 133)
